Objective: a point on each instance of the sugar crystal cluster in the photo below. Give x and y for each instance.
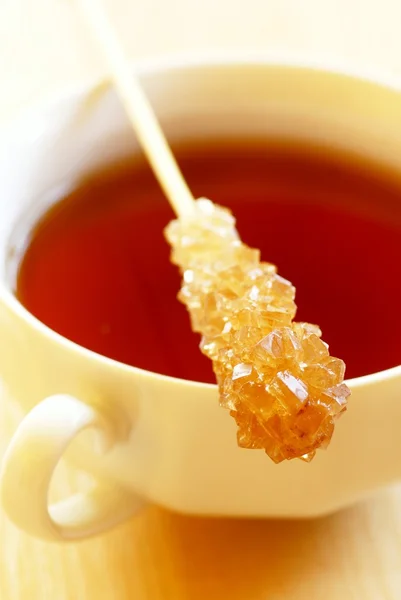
(275, 376)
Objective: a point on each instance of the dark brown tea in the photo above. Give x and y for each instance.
(96, 268)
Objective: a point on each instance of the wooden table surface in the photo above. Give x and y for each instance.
(355, 554)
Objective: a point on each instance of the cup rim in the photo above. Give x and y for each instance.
(174, 63)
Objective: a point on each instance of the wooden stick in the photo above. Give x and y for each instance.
(139, 110)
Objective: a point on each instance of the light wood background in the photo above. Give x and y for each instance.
(353, 555)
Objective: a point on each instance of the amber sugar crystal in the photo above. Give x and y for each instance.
(275, 376)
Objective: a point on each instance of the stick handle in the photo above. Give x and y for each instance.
(139, 110)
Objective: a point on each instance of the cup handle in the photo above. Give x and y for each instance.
(29, 463)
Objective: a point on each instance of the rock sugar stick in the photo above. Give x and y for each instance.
(275, 376)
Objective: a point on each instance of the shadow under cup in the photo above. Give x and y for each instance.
(96, 266)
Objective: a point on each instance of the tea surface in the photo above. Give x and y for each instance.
(97, 270)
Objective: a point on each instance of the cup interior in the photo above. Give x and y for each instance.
(46, 155)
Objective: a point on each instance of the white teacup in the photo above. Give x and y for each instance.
(167, 440)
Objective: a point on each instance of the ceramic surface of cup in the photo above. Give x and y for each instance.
(168, 440)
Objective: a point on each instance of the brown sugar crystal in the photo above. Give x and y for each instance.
(275, 376)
